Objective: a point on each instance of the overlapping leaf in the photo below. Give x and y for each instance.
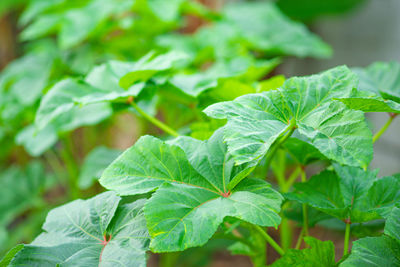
(20, 190)
(256, 121)
(73, 25)
(94, 232)
(379, 88)
(378, 251)
(95, 163)
(349, 193)
(320, 254)
(264, 26)
(197, 186)
(242, 68)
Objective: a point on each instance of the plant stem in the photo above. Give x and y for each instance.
(346, 239)
(269, 240)
(279, 142)
(305, 211)
(292, 178)
(384, 127)
(299, 239)
(155, 121)
(72, 167)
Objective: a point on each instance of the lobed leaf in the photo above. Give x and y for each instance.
(256, 121)
(94, 232)
(197, 184)
(349, 193)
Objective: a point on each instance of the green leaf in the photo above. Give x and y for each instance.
(94, 232)
(302, 152)
(37, 142)
(256, 121)
(379, 88)
(95, 163)
(20, 189)
(150, 65)
(349, 193)
(73, 23)
(197, 184)
(166, 10)
(267, 29)
(243, 68)
(61, 101)
(378, 251)
(308, 10)
(5, 261)
(22, 79)
(373, 251)
(321, 253)
(393, 222)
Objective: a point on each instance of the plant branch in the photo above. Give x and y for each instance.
(384, 127)
(346, 239)
(269, 240)
(154, 120)
(300, 238)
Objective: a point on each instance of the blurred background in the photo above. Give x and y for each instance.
(36, 50)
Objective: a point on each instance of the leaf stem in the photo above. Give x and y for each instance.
(278, 143)
(292, 178)
(269, 240)
(346, 239)
(154, 120)
(305, 211)
(300, 239)
(384, 127)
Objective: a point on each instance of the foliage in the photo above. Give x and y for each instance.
(223, 138)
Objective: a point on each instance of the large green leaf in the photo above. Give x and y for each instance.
(349, 193)
(320, 254)
(95, 163)
(256, 121)
(379, 88)
(378, 251)
(94, 232)
(264, 26)
(197, 185)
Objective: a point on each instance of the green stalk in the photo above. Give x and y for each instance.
(305, 211)
(279, 142)
(299, 239)
(72, 167)
(346, 239)
(292, 178)
(155, 121)
(269, 240)
(384, 127)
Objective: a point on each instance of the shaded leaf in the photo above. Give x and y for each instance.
(95, 163)
(266, 28)
(94, 232)
(349, 193)
(321, 253)
(379, 88)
